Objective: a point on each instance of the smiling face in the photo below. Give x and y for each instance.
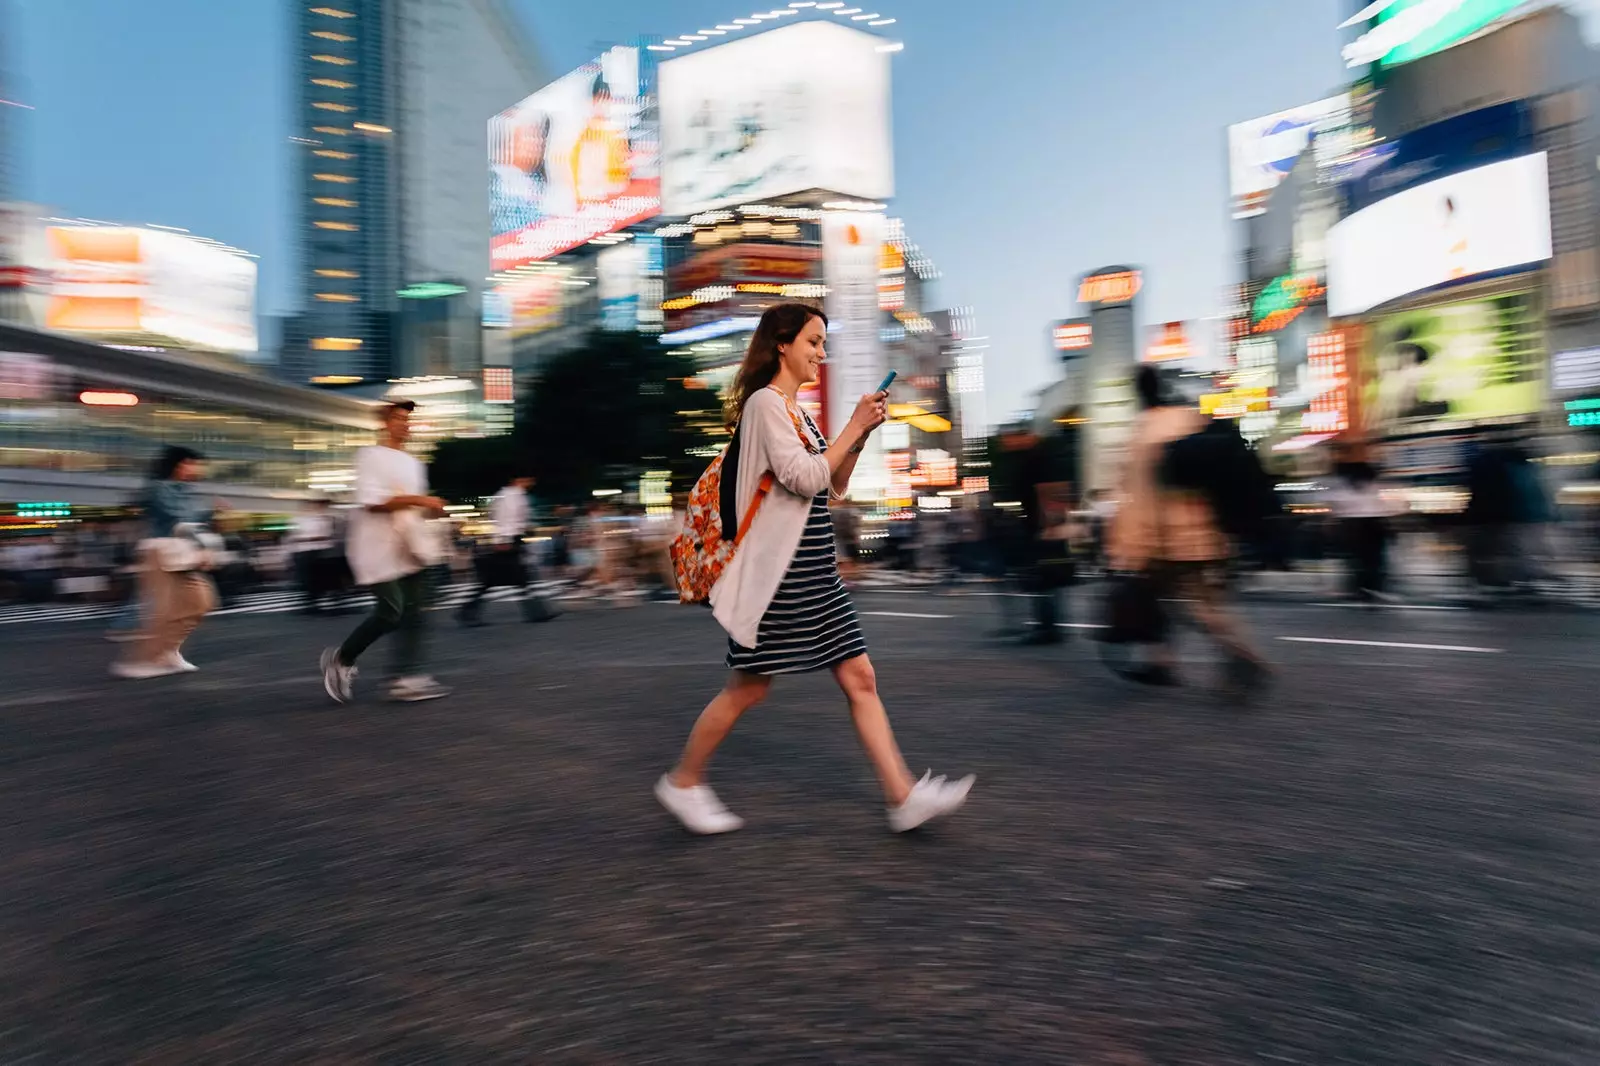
(803, 357)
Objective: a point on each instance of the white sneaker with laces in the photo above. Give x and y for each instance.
(141, 671)
(417, 689)
(337, 678)
(932, 797)
(697, 808)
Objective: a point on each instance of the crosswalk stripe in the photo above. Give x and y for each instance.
(260, 603)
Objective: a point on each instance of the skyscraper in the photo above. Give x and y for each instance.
(393, 100)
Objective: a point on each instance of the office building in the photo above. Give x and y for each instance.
(393, 97)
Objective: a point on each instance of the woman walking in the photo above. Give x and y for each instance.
(781, 599)
(174, 591)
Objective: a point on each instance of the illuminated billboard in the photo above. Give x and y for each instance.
(1471, 362)
(1411, 29)
(577, 159)
(124, 282)
(1169, 342)
(1114, 285)
(1476, 222)
(1262, 151)
(787, 111)
(852, 249)
(1072, 335)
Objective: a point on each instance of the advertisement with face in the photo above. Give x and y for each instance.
(1261, 152)
(1476, 222)
(578, 158)
(1473, 362)
(798, 108)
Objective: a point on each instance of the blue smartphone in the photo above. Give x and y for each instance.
(888, 381)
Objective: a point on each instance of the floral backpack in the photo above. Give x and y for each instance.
(700, 552)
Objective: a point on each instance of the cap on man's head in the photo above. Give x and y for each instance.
(399, 405)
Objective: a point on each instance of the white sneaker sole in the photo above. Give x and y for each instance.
(953, 799)
(418, 697)
(330, 678)
(666, 795)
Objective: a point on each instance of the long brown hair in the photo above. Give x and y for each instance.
(780, 324)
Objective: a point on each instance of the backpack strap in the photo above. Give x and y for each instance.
(794, 416)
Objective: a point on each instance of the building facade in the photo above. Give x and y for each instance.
(393, 97)
(81, 423)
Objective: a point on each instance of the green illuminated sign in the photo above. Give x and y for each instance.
(1584, 419)
(48, 509)
(1282, 300)
(430, 290)
(1411, 29)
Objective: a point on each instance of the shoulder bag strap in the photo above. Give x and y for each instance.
(767, 480)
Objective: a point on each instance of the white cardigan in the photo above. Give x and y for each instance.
(768, 442)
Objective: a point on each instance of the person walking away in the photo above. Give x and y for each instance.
(1047, 569)
(312, 545)
(781, 599)
(175, 592)
(1490, 517)
(390, 550)
(503, 561)
(1174, 536)
(1364, 517)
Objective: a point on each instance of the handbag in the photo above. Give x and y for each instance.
(420, 537)
(1132, 612)
(186, 550)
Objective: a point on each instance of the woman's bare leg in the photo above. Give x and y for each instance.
(742, 692)
(860, 685)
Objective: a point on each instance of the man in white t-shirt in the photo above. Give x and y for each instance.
(502, 561)
(389, 551)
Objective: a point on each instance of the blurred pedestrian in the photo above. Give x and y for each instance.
(503, 561)
(1364, 525)
(1047, 569)
(174, 589)
(390, 551)
(781, 599)
(312, 545)
(1173, 536)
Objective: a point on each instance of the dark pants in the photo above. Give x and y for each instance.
(1368, 543)
(314, 571)
(398, 608)
(496, 567)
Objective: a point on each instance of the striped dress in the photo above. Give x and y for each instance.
(811, 623)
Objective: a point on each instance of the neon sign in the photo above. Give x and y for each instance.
(1411, 29)
(1114, 288)
(1282, 301)
(1073, 336)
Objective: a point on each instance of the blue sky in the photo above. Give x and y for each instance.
(1034, 139)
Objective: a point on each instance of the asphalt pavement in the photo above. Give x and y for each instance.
(1390, 859)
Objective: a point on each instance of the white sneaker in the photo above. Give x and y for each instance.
(697, 808)
(417, 689)
(932, 797)
(142, 671)
(337, 678)
(181, 665)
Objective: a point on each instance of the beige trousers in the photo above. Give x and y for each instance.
(172, 605)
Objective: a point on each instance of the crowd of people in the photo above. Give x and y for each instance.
(1192, 506)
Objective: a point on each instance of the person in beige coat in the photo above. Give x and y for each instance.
(781, 599)
(1174, 536)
